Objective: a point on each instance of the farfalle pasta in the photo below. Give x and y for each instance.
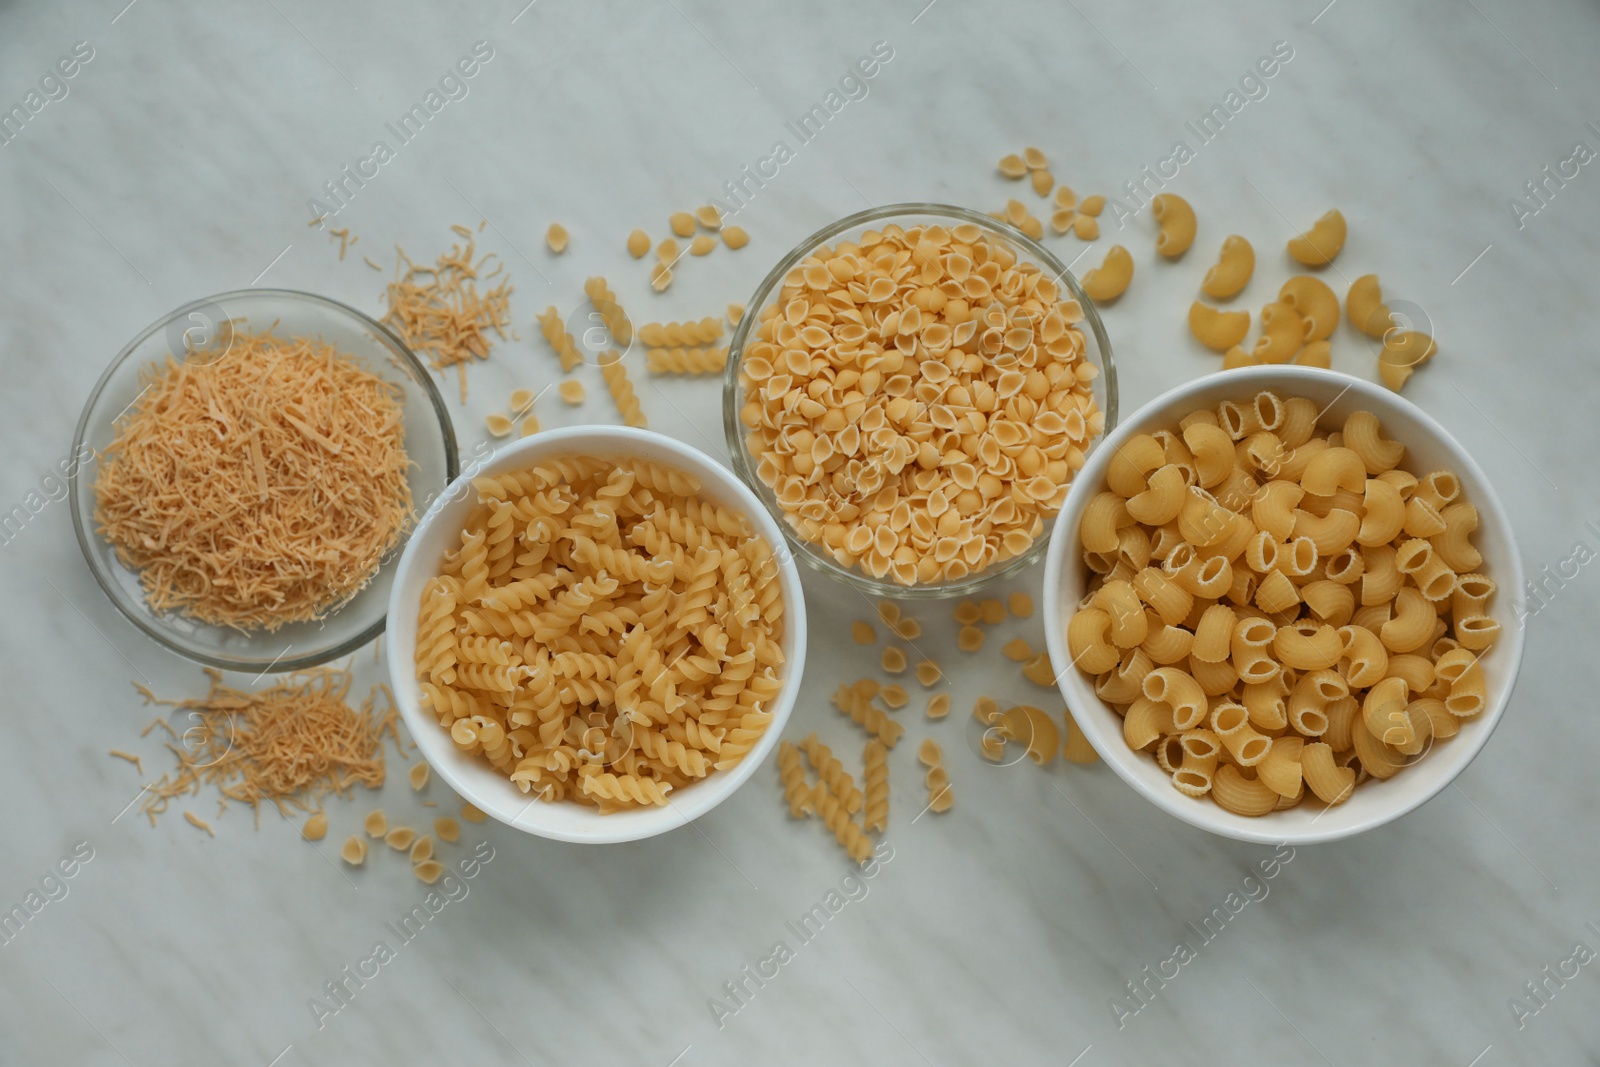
(601, 633)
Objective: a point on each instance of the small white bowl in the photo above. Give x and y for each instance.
(1428, 447)
(471, 776)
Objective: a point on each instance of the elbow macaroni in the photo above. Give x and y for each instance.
(1281, 612)
(1235, 264)
(1318, 246)
(1176, 219)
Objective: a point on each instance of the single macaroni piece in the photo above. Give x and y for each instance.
(1108, 281)
(1235, 264)
(638, 244)
(875, 763)
(1217, 330)
(1365, 307)
(681, 223)
(556, 237)
(1309, 615)
(1316, 304)
(1402, 353)
(1076, 748)
(1176, 219)
(1282, 333)
(1032, 728)
(1318, 246)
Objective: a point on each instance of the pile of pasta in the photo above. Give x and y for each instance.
(260, 488)
(918, 401)
(1275, 610)
(602, 633)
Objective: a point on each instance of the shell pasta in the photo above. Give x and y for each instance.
(1278, 609)
(602, 633)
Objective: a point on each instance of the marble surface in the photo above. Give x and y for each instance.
(179, 163)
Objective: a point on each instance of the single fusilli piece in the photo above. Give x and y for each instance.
(940, 799)
(436, 640)
(866, 715)
(616, 379)
(611, 313)
(875, 759)
(793, 777)
(686, 360)
(634, 788)
(680, 334)
(838, 821)
(832, 773)
(561, 342)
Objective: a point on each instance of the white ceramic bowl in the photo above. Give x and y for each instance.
(1428, 447)
(473, 778)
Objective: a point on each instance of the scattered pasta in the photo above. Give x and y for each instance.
(621, 389)
(1304, 614)
(686, 360)
(439, 312)
(419, 776)
(893, 659)
(938, 705)
(556, 237)
(316, 827)
(855, 701)
(605, 302)
(199, 823)
(875, 760)
(560, 341)
(571, 391)
(447, 829)
(940, 799)
(376, 824)
(603, 634)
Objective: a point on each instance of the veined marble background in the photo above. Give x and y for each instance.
(178, 161)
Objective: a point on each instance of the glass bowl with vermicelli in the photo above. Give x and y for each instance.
(910, 394)
(246, 472)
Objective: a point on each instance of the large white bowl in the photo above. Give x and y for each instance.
(1428, 447)
(471, 776)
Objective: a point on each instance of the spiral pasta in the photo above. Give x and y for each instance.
(616, 379)
(875, 760)
(680, 334)
(561, 342)
(602, 634)
(605, 302)
(686, 360)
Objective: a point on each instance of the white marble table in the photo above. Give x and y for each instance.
(180, 162)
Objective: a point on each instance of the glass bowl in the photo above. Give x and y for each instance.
(197, 330)
(1097, 351)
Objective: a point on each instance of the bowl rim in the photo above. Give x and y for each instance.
(629, 825)
(733, 430)
(85, 535)
(1115, 752)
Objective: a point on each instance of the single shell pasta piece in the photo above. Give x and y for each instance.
(1365, 308)
(701, 245)
(556, 237)
(638, 244)
(400, 838)
(1020, 605)
(928, 673)
(681, 223)
(862, 633)
(1035, 159)
(938, 705)
(1231, 273)
(708, 216)
(428, 871)
(1315, 303)
(418, 775)
(735, 237)
(422, 849)
(1217, 330)
(1318, 246)
(447, 829)
(316, 827)
(1176, 219)
(893, 659)
(354, 851)
(376, 824)
(1043, 182)
(1013, 167)
(1108, 281)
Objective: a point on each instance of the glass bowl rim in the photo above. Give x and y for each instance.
(88, 538)
(733, 429)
